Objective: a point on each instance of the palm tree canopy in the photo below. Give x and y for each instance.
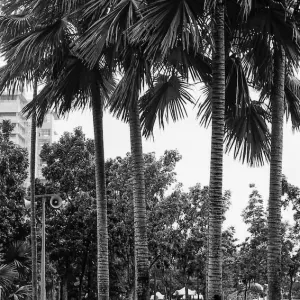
(166, 98)
(33, 54)
(70, 88)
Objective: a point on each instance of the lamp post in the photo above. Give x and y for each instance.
(55, 202)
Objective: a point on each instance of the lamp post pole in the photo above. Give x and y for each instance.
(43, 261)
(55, 202)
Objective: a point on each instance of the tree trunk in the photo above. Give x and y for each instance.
(83, 267)
(102, 234)
(155, 287)
(216, 164)
(32, 195)
(291, 288)
(140, 222)
(274, 217)
(65, 287)
(186, 292)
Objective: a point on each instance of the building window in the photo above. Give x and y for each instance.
(45, 132)
(8, 114)
(8, 97)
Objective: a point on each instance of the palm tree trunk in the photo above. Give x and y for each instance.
(32, 195)
(65, 287)
(102, 233)
(274, 218)
(139, 198)
(214, 279)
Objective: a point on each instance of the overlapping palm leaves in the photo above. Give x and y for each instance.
(166, 99)
(15, 266)
(44, 53)
(193, 59)
(246, 131)
(110, 30)
(273, 30)
(70, 88)
(7, 274)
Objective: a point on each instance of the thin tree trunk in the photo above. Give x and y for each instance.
(274, 217)
(32, 195)
(291, 288)
(102, 233)
(83, 267)
(65, 287)
(216, 165)
(140, 222)
(155, 287)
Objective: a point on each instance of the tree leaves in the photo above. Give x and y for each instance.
(166, 99)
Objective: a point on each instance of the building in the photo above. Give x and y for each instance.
(44, 135)
(10, 109)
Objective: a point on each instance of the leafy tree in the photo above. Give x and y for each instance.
(252, 254)
(13, 173)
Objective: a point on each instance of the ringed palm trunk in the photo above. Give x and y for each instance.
(139, 198)
(274, 217)
(214, 280)
(102, 233)
(32, 196)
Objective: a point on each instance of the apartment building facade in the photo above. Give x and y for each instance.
(10, 109)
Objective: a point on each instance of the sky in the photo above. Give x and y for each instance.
(193, 143)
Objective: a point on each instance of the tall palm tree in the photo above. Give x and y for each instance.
(110, 29)
(76, 86)
(46, 48)
(272, 27)
(214, 280)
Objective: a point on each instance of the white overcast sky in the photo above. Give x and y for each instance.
(193, 143)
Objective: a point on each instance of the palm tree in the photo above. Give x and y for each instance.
(272, 28)
(110, 29)
(44, 50)
(76, 86)
(214, 281)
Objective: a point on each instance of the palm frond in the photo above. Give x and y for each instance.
(129, 87)
(14, 79)
(8, 273)
(70, 89)
(9, 7)
(237, 95)
(22, 293)
(188, 63)
(109, 29)
(167, 98)
(246, 7)
(248, 136)
(166, 22)
(18, 254)
(15, 25)
(94, 10)
(204, 112)
(292, 100)
(32, 55)
(59, 8)
(27, 50)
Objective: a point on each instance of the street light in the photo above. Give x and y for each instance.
(55, 202)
